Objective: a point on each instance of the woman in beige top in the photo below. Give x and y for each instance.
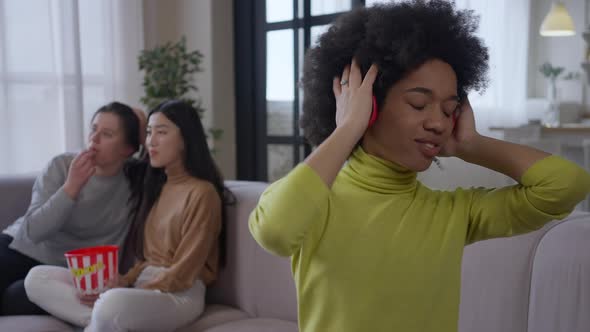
(175, 236)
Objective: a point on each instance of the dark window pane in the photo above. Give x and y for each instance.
(280, 161)
(279, 118)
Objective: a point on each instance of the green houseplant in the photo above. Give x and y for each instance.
(169, 72)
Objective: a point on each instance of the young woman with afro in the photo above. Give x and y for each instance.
(373, 249)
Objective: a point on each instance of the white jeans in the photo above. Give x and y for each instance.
(119, 309)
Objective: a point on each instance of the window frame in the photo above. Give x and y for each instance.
(250, 29)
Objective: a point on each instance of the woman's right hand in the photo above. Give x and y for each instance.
(353, 110)
(354, 95)
(80, 171)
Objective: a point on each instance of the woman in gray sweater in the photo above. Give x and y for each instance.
(79, 200)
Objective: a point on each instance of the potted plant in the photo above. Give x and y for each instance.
(169, 71)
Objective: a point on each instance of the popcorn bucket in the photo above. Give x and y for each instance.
(92, 268)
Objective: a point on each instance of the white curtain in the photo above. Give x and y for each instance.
(59, 61)
(504, 29)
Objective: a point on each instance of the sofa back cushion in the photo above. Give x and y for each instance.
(15, 197)
(252, 279)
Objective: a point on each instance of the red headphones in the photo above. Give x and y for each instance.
(374, 112)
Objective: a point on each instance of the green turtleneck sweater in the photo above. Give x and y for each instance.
(381, 252)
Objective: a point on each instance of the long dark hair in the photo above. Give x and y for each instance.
(198, 162)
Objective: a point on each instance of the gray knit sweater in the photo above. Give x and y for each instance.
(54, 223)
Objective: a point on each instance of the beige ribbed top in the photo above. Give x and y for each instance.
(181, 234)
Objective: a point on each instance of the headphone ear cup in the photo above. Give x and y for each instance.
(374, 112)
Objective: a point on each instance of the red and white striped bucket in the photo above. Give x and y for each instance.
(92, 268)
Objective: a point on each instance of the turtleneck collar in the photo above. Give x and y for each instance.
(176, 175)
(379, 175)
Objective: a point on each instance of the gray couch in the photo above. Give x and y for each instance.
(538, 282)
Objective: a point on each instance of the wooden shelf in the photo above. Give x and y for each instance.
(563, 128)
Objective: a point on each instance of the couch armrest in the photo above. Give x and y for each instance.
(495, 283)
(560, 280)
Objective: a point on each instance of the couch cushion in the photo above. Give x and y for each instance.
(16, 196)
(33, 324)
(252, 280)
(276, 293)
(234, 283)
(495, 283)
(214, 315)
(256, 325)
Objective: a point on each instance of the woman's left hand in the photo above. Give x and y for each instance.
(463, 134)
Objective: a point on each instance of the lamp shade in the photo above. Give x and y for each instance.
(558, 22)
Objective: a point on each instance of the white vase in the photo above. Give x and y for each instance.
(551, 116)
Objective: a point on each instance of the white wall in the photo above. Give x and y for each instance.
(568, 52)
(223, 93)
(208, 27)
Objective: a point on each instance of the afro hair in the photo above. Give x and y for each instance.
(399, 38)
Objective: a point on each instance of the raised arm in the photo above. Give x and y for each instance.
(290, 208)
(354, 105)
(549, 186)
(54, 195)
(548, 190)
(504, 157)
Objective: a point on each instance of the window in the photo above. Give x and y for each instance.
(272, 36)
(60, 61)
(281, 31)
